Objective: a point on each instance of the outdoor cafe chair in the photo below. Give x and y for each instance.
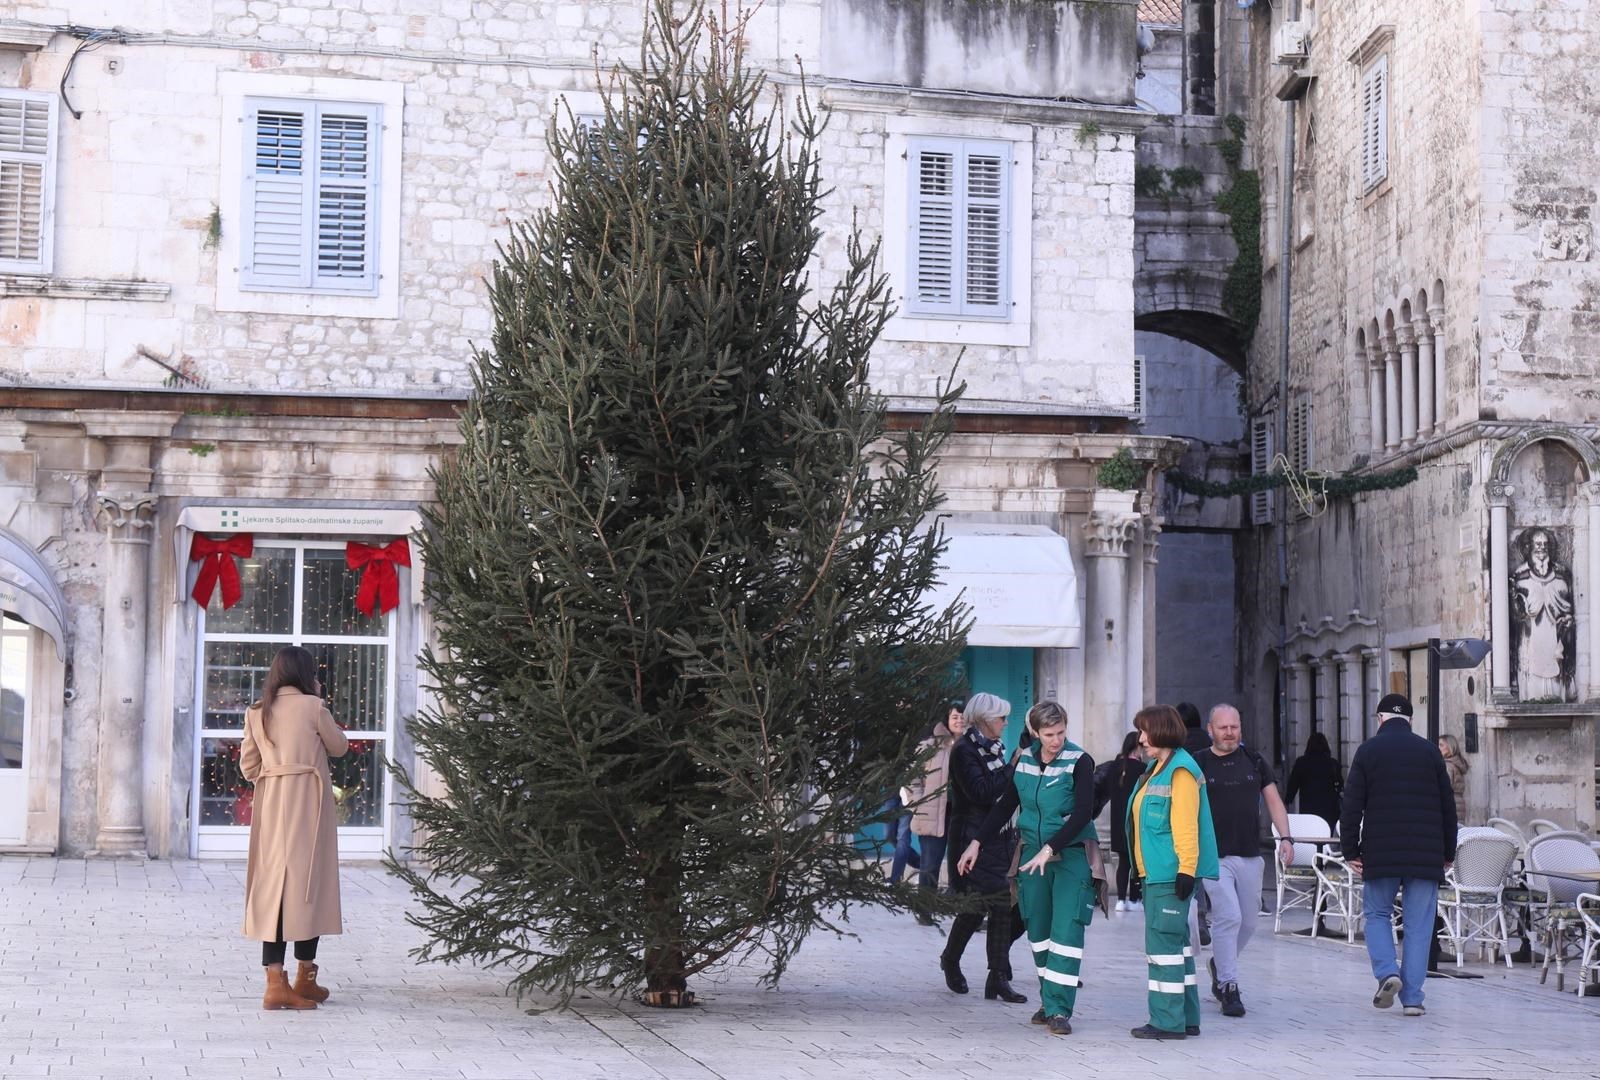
(1553, 898)
(1471, 903)
(1511, 829)
(1544, 826)
(1297, 882)
(1588, 907)
(1338, 893)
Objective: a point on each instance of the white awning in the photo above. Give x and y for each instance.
(28, 591)
(1019, 581)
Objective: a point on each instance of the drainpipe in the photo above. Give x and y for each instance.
(1285, 250)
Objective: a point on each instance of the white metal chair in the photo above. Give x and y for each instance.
(1543, 826)
(1511, 829)
(1588, 907)
(1472, 902)
(1554, 899)
(1338, 894)
(1297, 883)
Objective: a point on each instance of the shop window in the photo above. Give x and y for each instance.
(294, 593)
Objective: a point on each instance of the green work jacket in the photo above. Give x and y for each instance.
(1045, 796)
(1156, 847)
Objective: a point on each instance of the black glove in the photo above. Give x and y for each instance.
(1184, 886)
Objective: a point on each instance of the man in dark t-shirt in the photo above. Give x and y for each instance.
(1237, 779)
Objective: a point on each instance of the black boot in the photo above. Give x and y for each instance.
(999, 987)
(953, 978)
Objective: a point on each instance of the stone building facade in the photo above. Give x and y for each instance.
(1440, 287)
(250, 294)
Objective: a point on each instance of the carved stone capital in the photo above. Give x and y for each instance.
(129, 516)
(1499, 492)
(1107, 534)
(1405, 336)
(1152, 540)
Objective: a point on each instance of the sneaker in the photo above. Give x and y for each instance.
(1059, 1025)
(1192, 1031)
(1135, 905)
(1414, 1010)
(1037, 1018)
(1388, 988)
(1231, 1005)
(1122, 905)
(1216, 987)
(1150, 1031)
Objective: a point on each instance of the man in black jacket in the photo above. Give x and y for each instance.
(1398, 830)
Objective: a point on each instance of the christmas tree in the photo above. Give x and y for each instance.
(677, 563)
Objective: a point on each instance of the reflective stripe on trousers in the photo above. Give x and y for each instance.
(1174, 997)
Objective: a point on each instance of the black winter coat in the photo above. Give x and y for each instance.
(1399, 814)
(1122, 775)
(974, 788)
(1316, 778)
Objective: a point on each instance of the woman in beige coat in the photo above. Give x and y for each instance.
(929, 799)
(292, 882)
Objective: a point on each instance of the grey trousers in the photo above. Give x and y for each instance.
(1235, 899)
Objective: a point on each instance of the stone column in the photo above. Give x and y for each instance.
(125, 507)
(1425, 392)
(1435, 326)
(1375, 396)
(1133, 642)
(127, 518)
(1106, 643)
(1372, 684)
(1391, 394)
(1407, 343)
(1299, 708)
(1350, 705)
(1592, 587)
(1499, 589)
(1152, 542)
(1328, 705)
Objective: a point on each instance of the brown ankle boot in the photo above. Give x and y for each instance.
(305, 983)
(279, 996)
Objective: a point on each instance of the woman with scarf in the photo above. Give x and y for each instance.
(978, 780)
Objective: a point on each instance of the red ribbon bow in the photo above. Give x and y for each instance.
(219, 556)
(380, 582)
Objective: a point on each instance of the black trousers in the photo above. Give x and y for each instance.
(1005, 926)
(1130, 886)
(272, 952)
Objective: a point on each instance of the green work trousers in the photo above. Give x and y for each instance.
(1056, 906)
(1174, 996)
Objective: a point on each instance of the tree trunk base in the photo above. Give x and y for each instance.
(668, 999)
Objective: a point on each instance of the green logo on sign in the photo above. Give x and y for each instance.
(230, 519)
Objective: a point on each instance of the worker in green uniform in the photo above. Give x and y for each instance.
(1052, 784)
(1170, 831)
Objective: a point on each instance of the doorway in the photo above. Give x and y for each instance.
(15, 662)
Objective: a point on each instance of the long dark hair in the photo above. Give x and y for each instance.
(294, 668)
(1130, 743)
(1317, 745)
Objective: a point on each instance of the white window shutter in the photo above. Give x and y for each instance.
(934, 250)
(346, 198)
(1261, 465)
(311, 190)
(27, 180)
(1302, 435)
(1138, 386)
(1375, 124)
(275, 244)
(987, 240)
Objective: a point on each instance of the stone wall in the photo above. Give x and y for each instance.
(139, 191)
(1479, 223)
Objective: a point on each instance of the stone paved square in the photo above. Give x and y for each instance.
(129, 970)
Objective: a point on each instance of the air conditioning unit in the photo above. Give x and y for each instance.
(1292, 43)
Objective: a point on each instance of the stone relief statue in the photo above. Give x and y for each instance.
(1543, 629)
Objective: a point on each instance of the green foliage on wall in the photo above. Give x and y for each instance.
(1241, 294)
(1120, 472)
